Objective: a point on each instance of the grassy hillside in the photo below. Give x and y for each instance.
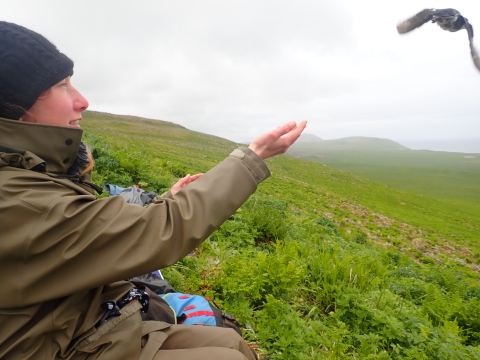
(319, 263)
(453, 177)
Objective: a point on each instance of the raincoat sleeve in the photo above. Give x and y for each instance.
(71, 241)
(166, 195)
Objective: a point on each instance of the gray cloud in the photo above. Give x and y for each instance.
(235, 69)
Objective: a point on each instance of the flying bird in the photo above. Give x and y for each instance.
(447, 19)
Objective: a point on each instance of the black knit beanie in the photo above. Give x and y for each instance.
(29, 65)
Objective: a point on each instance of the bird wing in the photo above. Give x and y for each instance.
(415, 21)
(445, 13)
(475, 58)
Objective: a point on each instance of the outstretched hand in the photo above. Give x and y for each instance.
(277, 141)
(180, 184)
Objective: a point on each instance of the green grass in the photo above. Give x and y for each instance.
(319, 263)
(454, 177)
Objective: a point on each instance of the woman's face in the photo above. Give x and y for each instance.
(61, 105)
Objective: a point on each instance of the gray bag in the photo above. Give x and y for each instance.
(135, 195)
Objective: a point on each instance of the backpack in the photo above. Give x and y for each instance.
(199, 310)
(178, 308)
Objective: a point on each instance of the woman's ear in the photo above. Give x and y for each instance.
(28, 117)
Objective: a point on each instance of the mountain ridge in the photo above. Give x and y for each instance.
(350, 143)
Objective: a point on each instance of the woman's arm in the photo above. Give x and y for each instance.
(60, 239)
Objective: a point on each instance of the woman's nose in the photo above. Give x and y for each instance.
(81, 104)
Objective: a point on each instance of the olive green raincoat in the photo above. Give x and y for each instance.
(63, 252)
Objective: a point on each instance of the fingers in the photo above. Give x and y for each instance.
(283, 129)
(182, 182)
(295, 133)
(292, 127)
(192, 178)
(195, 177)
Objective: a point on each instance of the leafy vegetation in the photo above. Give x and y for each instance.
(319, 263)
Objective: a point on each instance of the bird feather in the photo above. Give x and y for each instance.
(415, 21)
(475, 58)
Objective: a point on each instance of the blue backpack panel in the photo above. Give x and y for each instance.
(191, 309)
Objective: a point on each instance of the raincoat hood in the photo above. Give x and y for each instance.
(39, 147)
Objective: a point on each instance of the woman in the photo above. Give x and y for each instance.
(64, 253)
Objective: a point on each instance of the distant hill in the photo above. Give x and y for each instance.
(310, 142)
(442, 174)
(305, 137)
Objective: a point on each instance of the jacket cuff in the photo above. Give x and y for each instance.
(166, 195)
(253, 162)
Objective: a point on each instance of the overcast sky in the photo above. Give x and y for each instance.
(238, 68)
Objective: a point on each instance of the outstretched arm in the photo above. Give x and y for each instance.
(271, 143)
